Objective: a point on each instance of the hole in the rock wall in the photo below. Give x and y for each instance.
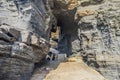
(67, 30)
(55, 39)
(9, 34)
(68, 33)
(93, 64)
(91, 2)
(54, 36)
(65, 40)
(54, 28)
(85, 3)
(86, 26)
(4, 40)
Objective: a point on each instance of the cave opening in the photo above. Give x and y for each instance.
(62, 40)
(68, 32)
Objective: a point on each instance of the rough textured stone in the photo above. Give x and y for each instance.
(87, 27)
(25, 27)
(91, 29)
(74, 71)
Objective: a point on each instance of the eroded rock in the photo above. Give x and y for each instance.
(25, 27)
(73, 70)
(92, 30)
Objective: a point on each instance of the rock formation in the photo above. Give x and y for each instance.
(91, 28)
(25, 27)
(74, 70)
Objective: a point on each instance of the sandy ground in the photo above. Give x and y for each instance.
(74, 69)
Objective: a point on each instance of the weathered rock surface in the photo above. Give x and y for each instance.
(91, 28)
(25, 27)
(75, 70)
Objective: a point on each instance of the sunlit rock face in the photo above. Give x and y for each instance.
(24, 36)
(91, 28)
(81, 71)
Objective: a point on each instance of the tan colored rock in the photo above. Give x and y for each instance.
(85, 12)
(75, 59)
(74, 71)
(98, 21)
(73, 4)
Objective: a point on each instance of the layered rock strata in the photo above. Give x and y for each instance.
(91, 28)
(25, 27)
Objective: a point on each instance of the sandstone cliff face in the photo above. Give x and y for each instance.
(91, 28)
(24, 36)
